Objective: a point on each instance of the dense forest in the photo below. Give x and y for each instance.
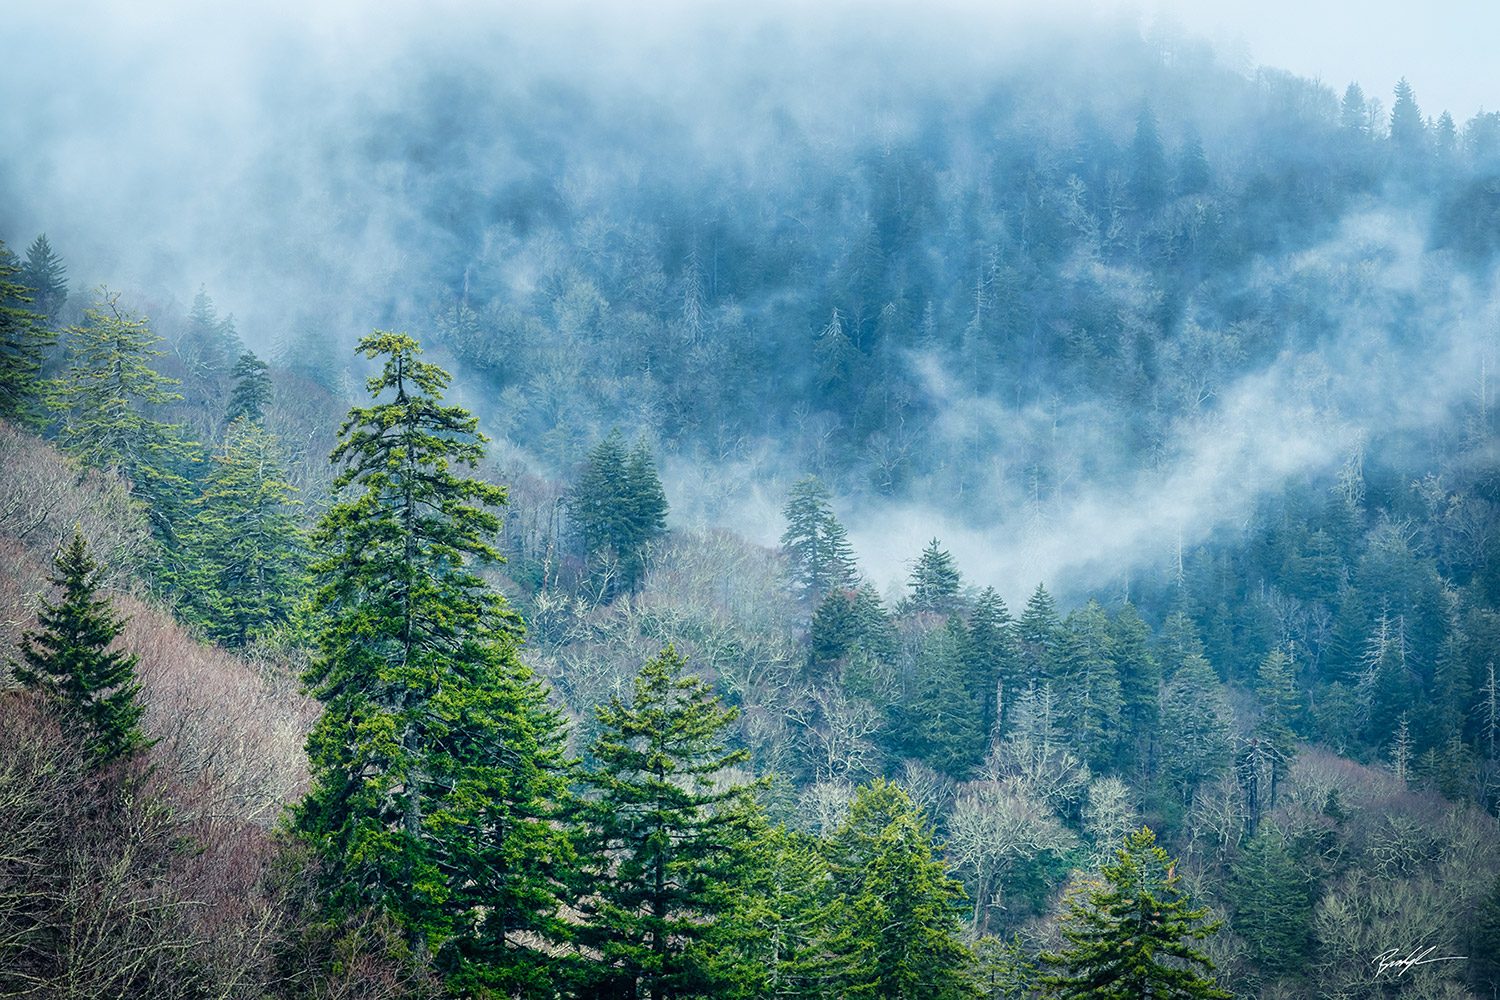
(877, 531)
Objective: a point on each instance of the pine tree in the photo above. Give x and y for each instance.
(942, 723)
(436, 763)
(70, 658)
(897, 930)
(23, 345)
(1130, 933)
(252, 389)
(1083, 674)
(244, 540)
(106, 396)
(1037, 631)
(815, 542)
(1352, 114)
(663, 838)
(47, 277)
(935, 582)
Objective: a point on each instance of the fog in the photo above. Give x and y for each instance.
(333, 168)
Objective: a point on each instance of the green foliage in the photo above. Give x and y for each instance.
(815, 542)
(1129, 933)
(210, 344)
(935, 582)
(107, 395)
(1269, 891)
(897, 926)
(71, 660)
(994, 667)
(47, 277)
(252, 389)
(436, 763)
(665, 837)
(620, 509)
(23, 345)
(247, 552)
(1195, 728)
(941, 724)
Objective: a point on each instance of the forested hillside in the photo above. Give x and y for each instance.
(786, 535)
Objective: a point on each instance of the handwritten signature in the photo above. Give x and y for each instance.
(1391, 959)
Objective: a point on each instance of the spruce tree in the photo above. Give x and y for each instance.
(244, 540)
(23, 345)
(994, 669)
(815, 543)
(436, 763)
(663, 838)
(1272, 907)
(70, 658)
(1130, 934)
(935, 581)
(620, 509)
(252, 389)
(47, 277)
(107, 395)
(896, 932)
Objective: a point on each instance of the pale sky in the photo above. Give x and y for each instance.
(1448, 50)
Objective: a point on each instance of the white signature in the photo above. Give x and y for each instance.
(1389, 959)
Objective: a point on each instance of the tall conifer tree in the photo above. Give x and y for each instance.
(23, 344)
(663, 838)
(436, 763)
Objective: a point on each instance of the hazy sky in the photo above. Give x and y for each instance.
(1446, 49)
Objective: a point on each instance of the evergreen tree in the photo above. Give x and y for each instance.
(935, 582)
(994, 668)
(1083, 675)
(897, 930)
(663, 839)
(70, 658)
(47, 277)
(1140, 689)
(1408, 129)
(942, 726)
(436, 763)
(1148, 163)
(23, 345)
(1193, 174)
(1272, 908)
(1352, 115)
(1130, 934)
(244, 541)
(621, 509)
(107, 394)
(815, 542)
(210, 343)
(785, 917)
(1195, 728)
(1037, 630)
(252, 389)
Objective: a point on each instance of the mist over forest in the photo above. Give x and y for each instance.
(1030, 427)
(1042, 313)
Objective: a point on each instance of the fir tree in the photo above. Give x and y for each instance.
(436, 763)
(252, 389)
(107, 395)
(47, 277)
(897, 930)
(23, 345)
(815, 542)
(620, 509)
(935, 582)
(1272, 908)
(994, 670)
(1140, 688)
(70, 658)
(1130, 933)
(244, 540)
(663, 838)
(210, 341)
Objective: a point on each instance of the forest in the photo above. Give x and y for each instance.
(795, 521)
